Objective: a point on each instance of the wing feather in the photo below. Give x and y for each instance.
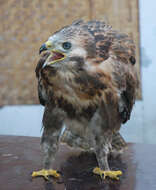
(119, 49)
(41, 90)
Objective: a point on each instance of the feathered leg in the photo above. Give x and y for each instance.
(52, 123)
(102, 150)
(102, 132)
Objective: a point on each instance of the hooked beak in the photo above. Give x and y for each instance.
(45, 46)
(54, 56)
(42, 48)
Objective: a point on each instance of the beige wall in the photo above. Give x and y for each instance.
(26, 24)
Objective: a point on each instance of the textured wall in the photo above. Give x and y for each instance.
(26, 24)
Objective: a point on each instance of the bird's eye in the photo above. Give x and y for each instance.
(66, 45)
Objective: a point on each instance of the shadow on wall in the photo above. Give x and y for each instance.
(144, 58)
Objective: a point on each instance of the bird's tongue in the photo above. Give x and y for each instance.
(56, 56)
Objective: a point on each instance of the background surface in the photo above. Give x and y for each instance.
(27, 24)
(26, 120)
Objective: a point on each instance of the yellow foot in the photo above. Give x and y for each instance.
(46, 173)
(104, 174)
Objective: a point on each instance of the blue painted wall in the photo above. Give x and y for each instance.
(142, 126)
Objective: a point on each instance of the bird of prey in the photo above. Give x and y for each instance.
(87, 82)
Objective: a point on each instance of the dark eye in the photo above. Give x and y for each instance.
(66, 45)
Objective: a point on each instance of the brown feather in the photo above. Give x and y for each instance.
(91, 91)
(108, 77)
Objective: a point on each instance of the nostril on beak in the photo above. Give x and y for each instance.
(42, 48)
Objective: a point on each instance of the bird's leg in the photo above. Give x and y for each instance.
(49, 143)
(102, 150)
(103, 170)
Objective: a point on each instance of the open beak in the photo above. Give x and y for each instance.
(54, 56)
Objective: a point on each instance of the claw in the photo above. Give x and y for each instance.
(104, 174)
(46, 173)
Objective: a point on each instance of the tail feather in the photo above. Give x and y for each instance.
(118, 143)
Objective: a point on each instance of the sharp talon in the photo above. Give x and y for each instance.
(46, 173)
(104, 174)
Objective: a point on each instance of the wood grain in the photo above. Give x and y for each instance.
(19, 156)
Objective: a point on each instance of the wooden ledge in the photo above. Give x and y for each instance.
(19, 156)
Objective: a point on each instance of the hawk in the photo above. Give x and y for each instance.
(87, 82)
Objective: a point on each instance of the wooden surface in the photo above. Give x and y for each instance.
(26, 24)
(19, 156)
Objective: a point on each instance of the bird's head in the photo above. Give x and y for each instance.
(71, 41)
